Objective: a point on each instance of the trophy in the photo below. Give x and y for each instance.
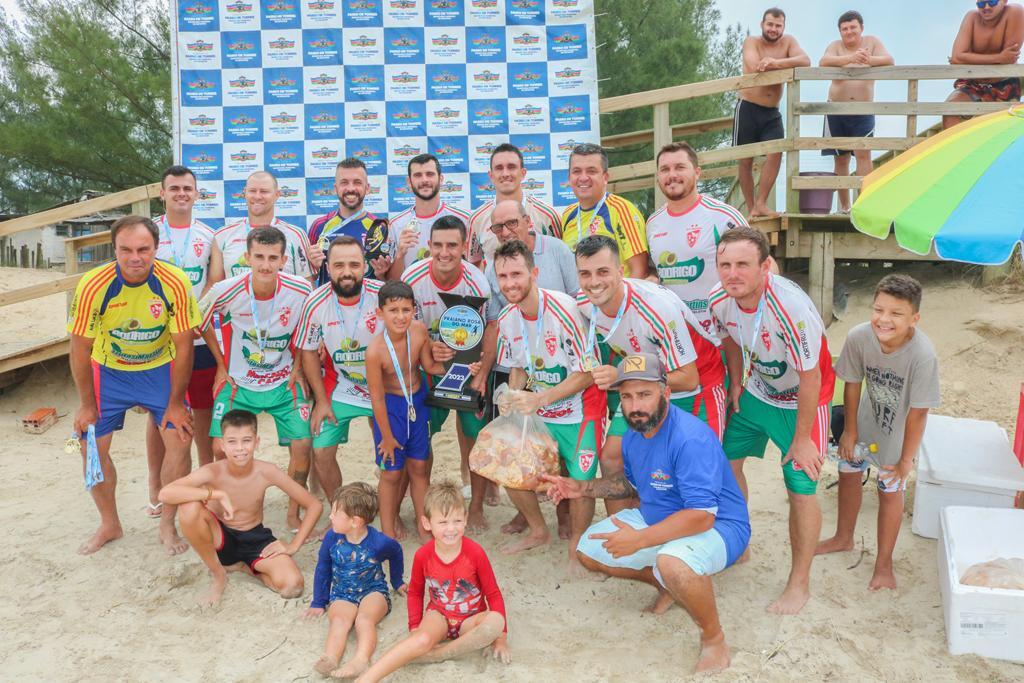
(376, 244)
(461, 328)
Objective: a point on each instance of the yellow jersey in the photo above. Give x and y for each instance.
(132, 324)
(614, 217)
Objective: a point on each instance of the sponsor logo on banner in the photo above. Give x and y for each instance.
(483, 11)
(209, 201)
(563, 195)
(198, 15)
(570, 113)
(282, 48)
(241, 49)
(201, 52)
(560, 10)
(527, 44)
(242, 159)
(363, 46)
(323, 83)
(451, 152)
(562, 145)
(202, 125)
(446, 82)
(321, 13)
(325, 121)
(407, 12)
(240, 14)
(567, 42)
(406, 118)
(291, 205)
(243, 124)
(277, 14)
(372, 152)
(401, 150)
(322, 158)
(234, 199)
(485, 44)
(241, 87)
(205, 161)
(481, 189)
(364, 120)
(445, 45)
(484, 81)
(567, 78)
(528, 115)
(359, 13)
(447, 119)
(321, 46)
(284, 159)
(201, 88)
(488, 117)
(400, 197)
(405, 82)
(455, 189)
(480, 148)
(364, 83)
(282, 123)
(528, 79)
(536, 151)
(538, 184)
(282, 86)
(320, 196)
(443, 13)
(529, 12)
(403, 45)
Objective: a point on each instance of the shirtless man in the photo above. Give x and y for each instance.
(990, 34)
(220, 507)
(757, 117)
(853, 50)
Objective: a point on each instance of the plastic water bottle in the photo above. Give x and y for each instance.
(861, 452)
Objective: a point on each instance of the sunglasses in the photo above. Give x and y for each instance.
(982, 4)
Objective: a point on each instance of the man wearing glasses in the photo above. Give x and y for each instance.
(990, 34)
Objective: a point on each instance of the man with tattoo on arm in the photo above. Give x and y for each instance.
(692, 521)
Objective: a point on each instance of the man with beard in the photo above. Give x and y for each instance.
(229, 243)
(409, 232)
(341, 318)
(757, 117)
(692, 521)
(350, 218)
(507, 173)
(683, 236)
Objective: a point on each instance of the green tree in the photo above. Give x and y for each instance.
(657, 44)
(84, 99)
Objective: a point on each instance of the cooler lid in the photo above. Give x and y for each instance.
(975, 453)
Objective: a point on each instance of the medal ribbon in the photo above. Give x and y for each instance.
(175, 258)
(748, 351)
(261, 338)
(401, 379)
(530, 370)
(593, 217)
(592, 331)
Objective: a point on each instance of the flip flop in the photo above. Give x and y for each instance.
(154, 511)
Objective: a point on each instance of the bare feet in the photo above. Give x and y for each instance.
(325, 665)
(352, 668)
(882, 578)
(101, 537)
(526, 543)
(714, 655)
(173, 543)
(477, 521)
(834, 545)
(791, 601)
(762, 211)
(575, 570)
(661, 603)
(400, 530)
(563, 529)
(218, 582)
(493, 496)
(516, 525)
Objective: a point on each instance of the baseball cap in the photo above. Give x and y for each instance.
(643, 366)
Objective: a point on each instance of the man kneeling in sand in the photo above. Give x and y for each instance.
(221, 513)
(692, 520)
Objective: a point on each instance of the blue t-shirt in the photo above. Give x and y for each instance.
(683, 467)
(343, 566)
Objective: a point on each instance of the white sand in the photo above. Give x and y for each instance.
(127, 612)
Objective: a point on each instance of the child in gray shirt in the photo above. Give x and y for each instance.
(898, 365)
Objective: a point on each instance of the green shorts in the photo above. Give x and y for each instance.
(748, 431)
(333, 434)
(619, 426)
(577, 446)
(289, 409)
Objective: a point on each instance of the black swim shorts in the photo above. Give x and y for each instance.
(847, 126)
(754, 123)
(243, 546)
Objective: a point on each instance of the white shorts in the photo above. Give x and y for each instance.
(704, 553)
(847, 467)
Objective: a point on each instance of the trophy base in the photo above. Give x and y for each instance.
(472, 402)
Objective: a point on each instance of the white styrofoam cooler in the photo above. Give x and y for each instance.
(963, 462)
(983, 621)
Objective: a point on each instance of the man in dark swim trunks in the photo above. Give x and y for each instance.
(757, 117)
(990, 34)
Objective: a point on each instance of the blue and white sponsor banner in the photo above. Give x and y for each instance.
(294, 86)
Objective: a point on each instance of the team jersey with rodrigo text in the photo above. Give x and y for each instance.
(325, 228)
(684, 249)
(188, 248)
(654, 320)
(231, 241)
(275, 322)
(409, 218)
(617, 218)
(790, 339)
(346, 331)
(426, 291)
(552, 350)
(131, 325)
(483, 242)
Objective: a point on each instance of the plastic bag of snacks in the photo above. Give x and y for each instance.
(999, 573)
(514, 449)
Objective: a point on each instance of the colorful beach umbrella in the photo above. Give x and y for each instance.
(962, 189)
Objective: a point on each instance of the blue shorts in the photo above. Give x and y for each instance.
(847, 126)
(357, 595)
(117, 391)
(413, 438)
(704, 553)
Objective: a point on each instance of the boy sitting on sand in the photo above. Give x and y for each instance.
(350, 577)
(902, 374)
(465, 604)
(401, 428)
(221, 513)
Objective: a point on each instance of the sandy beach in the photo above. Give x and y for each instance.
(128, 612)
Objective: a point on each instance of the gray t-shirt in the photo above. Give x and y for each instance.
(896, 382)
(556, 270)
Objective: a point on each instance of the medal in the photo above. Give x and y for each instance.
(322, 243)
(748, 351)
(262, 336)
(589, 363)
(256, 357)
(531, 383)
(72, 446)
(411, 411)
